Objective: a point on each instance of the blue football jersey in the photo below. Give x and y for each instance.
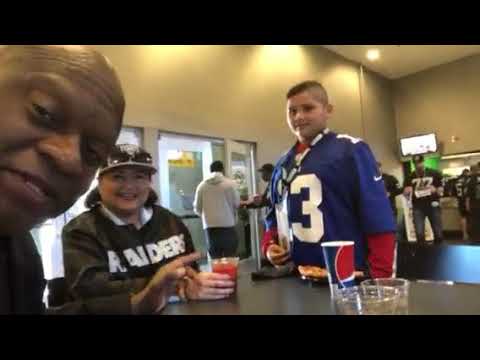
(333, 191)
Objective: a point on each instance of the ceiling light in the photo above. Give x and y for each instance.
(459, 156)
(373, 54)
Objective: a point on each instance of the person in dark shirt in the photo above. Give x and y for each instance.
(472, 203)
(425, 187)
(61, 113)
(460, 192)
(392, 187)
(260, 201)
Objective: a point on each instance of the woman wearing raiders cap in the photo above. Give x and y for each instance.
(120, 243)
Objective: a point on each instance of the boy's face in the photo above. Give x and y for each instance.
(307, 115)
(53, 135)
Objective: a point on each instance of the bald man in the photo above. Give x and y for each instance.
(61, 112)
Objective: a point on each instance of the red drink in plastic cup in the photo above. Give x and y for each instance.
(226, 266)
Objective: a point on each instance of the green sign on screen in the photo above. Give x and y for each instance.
(432, 162)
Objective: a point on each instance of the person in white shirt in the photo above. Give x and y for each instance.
(216, 202)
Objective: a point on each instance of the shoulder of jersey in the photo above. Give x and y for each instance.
(348, 139)
(286, 152)
(348, 143)
(283, 157)
(161, 210)
(85, 221)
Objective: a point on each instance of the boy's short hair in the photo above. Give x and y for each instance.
(310, 85)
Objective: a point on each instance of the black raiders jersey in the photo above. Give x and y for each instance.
(461, 186)
(473, 191)
(422, 194)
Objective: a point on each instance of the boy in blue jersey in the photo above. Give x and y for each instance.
(326, 188)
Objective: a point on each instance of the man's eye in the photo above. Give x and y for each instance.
(44, 115)
(93, 156)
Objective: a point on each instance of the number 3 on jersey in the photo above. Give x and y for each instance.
(310, 207)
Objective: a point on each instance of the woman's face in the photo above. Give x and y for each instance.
(125, 190)
(55, 130)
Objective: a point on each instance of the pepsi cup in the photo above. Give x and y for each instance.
(340, 264)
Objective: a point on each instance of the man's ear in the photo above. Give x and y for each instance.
(329, 108)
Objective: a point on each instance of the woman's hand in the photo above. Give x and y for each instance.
(205, 286)
(154, 296)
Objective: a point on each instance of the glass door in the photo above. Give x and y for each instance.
(240, 167)
(184, 161)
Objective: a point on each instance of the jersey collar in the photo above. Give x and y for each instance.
(319, 136)
(145, 216)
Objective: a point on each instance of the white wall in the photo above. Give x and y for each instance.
(445, 100)
(238, 92)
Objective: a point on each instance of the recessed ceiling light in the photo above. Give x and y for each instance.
(373, 54)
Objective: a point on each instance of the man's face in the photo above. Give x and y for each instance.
(420, 166)
(307, 115)
(53, 136)
(266, 176)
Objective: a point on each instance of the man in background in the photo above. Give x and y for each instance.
(461, 186)
(425, 187)
(472, 203)
(392, 187)
(261, 201)
(216, 202)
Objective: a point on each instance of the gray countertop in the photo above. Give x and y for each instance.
(293, 296)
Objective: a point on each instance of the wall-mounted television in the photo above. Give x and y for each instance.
(418, 145)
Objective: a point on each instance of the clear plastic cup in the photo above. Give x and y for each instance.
(402, 285)
(367, 300)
